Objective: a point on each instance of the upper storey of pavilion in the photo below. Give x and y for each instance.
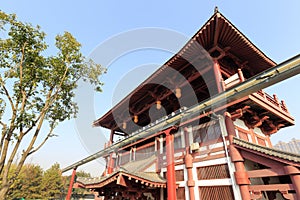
(191, 76)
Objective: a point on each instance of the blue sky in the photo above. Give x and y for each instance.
(271, 25)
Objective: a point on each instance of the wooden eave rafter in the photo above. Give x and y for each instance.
(243, 38)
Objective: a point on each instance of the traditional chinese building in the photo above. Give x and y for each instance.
(224, 152)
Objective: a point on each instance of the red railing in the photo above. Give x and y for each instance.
(239, 77)
(273, 100)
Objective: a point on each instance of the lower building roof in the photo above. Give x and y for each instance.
(288, 156)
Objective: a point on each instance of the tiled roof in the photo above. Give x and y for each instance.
(132, 170)
(137, 166)
(268, 151)
(96, 180)
(151, 178)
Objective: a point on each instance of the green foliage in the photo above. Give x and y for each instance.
(36, 88)
(66, 183)
(35, 183)
(52, 182)
(28, 183)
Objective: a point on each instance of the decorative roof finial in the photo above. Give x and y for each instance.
(216, 9)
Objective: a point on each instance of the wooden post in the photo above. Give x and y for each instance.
(171, 181)
(218, 77)
(190, 182)
(241, 76)
(111, 163)
(294, 173)
(71, 184)
(241, 176)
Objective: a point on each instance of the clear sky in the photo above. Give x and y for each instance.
(273, 26)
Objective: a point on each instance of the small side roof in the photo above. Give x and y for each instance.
(285, 157)
(132, 171)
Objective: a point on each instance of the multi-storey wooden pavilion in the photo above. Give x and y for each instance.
(222, 153)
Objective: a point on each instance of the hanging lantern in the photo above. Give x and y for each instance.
(124, 125)
(158, 105)
(135, 119)
(178, 92)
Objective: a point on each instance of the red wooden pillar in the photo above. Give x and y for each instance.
(242, 179)
(295, 177)
(71, 184)
(229, 127)
(218, 76)
(171, 181)
(241, 176)
(111, 163)
(241, 76)
(189, 166)
(296, 182)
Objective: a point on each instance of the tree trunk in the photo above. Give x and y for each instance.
(3, 192)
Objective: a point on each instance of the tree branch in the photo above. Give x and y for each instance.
(21, 65)
(41, 117)
(30, 146)
(4, 131)
(44, 141)
(59, 86)
(24, 98)
(8, 96)
(7, 139)
(44, 110)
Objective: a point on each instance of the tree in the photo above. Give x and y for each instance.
(76, 191)
(28, 182)
(35, 90)
(52, 182)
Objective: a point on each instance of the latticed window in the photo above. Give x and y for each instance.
(144, 152)
(178, 140)
(180, 193)
(206, 132)
(216, 193)
(124, 157)
(261, 141)
(179, 175)
(213, 172)
(243, 135)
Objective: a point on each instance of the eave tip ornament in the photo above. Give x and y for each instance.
(216, 9)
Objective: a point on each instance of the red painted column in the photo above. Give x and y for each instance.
(189, 166)
(171, 181)
(242, 180)
(111, 164)
(241, 76)
(295, 177)
(240, 174)
(218, 76)
(296, 182)
(111, 138)
(71, 184)
(229, 127)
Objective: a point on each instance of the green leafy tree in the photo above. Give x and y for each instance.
(80, 191)
(52, 182)
(28, 182)
(35, 90)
